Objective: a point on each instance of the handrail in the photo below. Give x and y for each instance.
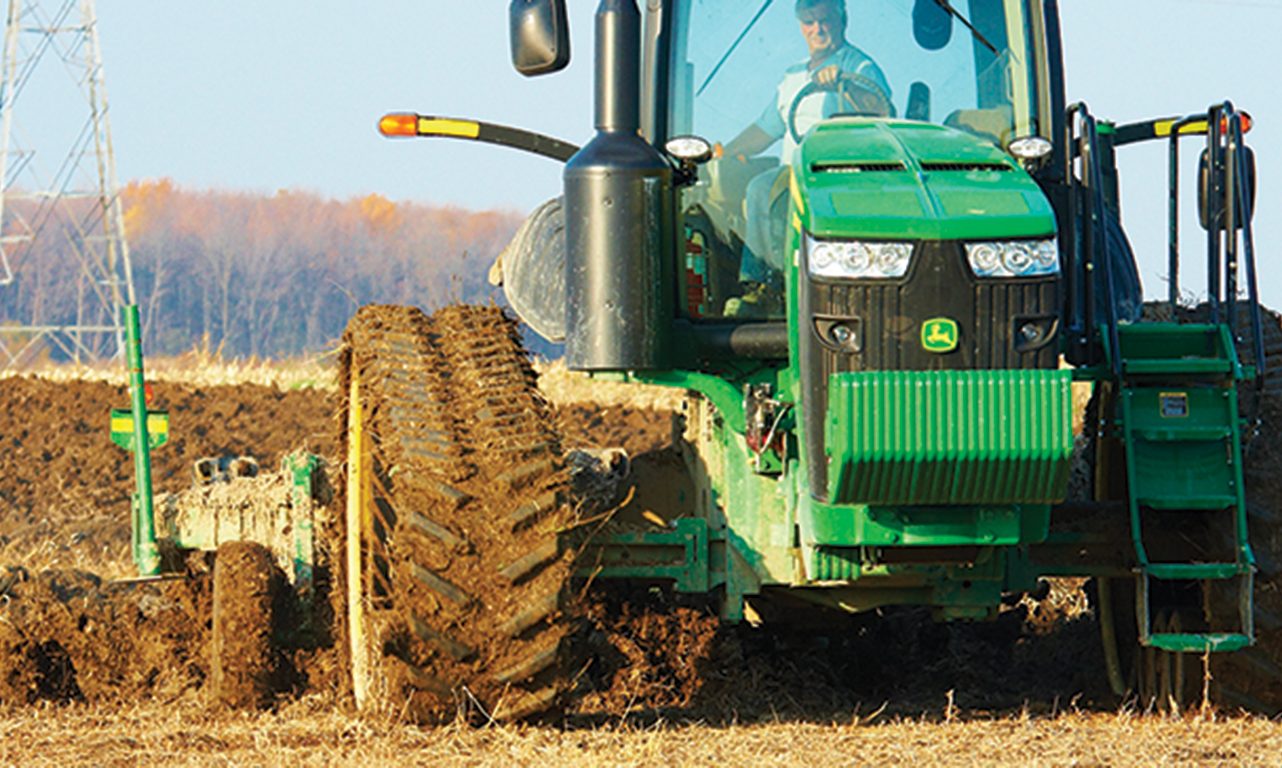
(1229, 211)
(1084, 144)
(1173, 225)
(1239, 206)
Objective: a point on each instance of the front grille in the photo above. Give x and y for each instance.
(888, 316)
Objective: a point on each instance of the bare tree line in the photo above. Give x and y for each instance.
(270, 275)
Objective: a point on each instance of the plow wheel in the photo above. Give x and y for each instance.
(246, 585)
(456, 575)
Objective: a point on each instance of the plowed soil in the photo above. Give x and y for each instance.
(69, 633)
(65, 488)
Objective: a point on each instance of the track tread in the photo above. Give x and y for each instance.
(463, 442)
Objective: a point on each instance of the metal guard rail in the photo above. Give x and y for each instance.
(1229, 211)
(1089, 245)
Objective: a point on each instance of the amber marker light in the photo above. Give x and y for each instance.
(1246, 123)
(398, 124)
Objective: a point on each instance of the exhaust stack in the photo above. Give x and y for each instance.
(619, 210)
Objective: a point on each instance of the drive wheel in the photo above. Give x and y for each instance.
(456, 575)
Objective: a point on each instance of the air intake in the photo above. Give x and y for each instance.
(856, 167)
(963, 167)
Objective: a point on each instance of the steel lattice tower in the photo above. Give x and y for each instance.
(64, 261)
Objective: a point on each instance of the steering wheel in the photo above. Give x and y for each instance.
(860, 93)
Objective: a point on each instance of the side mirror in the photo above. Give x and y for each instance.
(932, 24)
(1211, 213)
(540, 36)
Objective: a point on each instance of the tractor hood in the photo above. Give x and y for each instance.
(861, 178)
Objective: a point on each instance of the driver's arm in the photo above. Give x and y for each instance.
(750, 142)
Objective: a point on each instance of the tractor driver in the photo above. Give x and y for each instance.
(832, 57)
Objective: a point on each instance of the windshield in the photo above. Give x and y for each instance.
(982, 81)
(755, 77)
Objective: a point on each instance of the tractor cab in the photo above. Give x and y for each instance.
(872, 83)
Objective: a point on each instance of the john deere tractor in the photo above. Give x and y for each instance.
(879, 264)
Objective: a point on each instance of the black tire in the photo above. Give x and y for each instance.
(457, 572)
(242, 664)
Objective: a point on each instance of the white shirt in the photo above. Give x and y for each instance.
(814, 108)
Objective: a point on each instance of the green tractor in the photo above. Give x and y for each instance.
(879, 293)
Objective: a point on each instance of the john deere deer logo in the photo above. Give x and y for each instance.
(939, 335)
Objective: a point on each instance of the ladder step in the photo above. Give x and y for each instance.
(1195, 571)
(1185, 434)
(1209, 502)
(1178, 365)
(1217, 642)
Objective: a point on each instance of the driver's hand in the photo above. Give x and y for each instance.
(719, 151)
(827, 75)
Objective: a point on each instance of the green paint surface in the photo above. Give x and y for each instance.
(897, 180)
(949, 437)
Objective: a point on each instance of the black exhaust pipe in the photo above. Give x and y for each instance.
(619, 210)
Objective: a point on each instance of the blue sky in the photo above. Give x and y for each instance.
(243, 94)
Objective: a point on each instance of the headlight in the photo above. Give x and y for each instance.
(856, 260)
(1017, 258)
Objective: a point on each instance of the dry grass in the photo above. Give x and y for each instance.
(563, 386)
(203, 368)
(200, 368)
(313, 733)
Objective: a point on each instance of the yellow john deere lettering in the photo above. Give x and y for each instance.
(939, 335)
(438, 126)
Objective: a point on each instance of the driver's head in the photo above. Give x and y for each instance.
(823, 24)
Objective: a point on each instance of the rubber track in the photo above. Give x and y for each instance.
(1252, 679)
(462, 441)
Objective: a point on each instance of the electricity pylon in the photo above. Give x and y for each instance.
(64, 261)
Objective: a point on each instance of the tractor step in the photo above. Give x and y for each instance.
(1179, 421)
(1210, 502)
(1216, 642)
(1185, 365)
(1185, 434)
(1176, 351)
(1195, 571)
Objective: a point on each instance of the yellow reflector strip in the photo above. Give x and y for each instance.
(436, 126)
(796, 193)
(1163, 128)
(156, 425)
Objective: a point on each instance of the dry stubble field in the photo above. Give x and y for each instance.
(125, 686)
